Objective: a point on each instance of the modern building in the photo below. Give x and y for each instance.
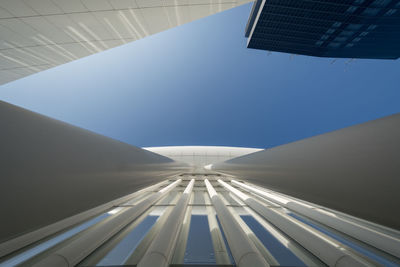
(337, 29)
(40, 34)
(88, 200)
(71, 197)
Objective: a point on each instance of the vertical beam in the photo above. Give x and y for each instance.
(160, 251)
(372, 237)
(243, 250)
(31, 237)
(329, 251)
(220, 251)
(81, 247)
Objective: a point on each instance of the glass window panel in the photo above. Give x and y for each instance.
(380, 3)
(353, 27)
(334, 45)
(330, 31)
(336, 24)
(121, 252)
(340, 39)
(26, 255)
(226, 242)
(371, 11)
(368, 253)
(324, 37)
(351, 9)
(199, 248)
(390, 12)
(281, 253)
(346, 33)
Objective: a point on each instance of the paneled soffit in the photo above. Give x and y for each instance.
(200, 156)
(36, 35)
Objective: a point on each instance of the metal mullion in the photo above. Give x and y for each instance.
(160, 251)
(310, 19)
(327, 249)
(76, 251)
(372, 237)
(243, 250)
(303, 254)
(220, 250)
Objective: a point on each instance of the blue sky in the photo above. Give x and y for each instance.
(198, 84)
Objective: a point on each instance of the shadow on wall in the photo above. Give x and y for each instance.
(51, 170)
(355, 170)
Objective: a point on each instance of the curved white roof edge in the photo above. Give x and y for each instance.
(216, 150)
(200, 156)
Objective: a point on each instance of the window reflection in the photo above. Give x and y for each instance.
(281, 253)
(121, 252)
(199, 248)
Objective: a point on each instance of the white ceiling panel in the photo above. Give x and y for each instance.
(25, 58)
(150, 3)
(17, 7)
(39, 34)
(19, 27)
(23, 71)
(70, 6)
(123, 4)
(44, 7)
(5, 14)
(8, 76)
(156, 19)
(8, 36)
(47, 32)
(76, 49)
(97, 5)
(91, 27)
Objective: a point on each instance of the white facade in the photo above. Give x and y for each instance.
(36, 35)
(200, 156)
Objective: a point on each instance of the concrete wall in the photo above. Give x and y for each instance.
(355, 170)
(50, 170)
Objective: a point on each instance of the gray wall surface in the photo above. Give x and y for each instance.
(355, 170)
(50, 170)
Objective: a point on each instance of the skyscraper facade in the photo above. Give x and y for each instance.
(88, 200)
(39, 35)
(338, 29)
(71, 197)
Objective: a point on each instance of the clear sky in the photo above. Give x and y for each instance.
(198, 84)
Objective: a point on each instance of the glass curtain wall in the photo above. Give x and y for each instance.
(201, 239)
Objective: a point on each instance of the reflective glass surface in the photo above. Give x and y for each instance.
(121, 252)
(199, 248)
(281, 253)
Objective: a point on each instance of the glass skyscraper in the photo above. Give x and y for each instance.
(338, 29)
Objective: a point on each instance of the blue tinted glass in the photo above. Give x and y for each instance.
(51, 242)
(121, 252)
(281, 253)
(342, 240)
(199, 247)
(226, 243)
